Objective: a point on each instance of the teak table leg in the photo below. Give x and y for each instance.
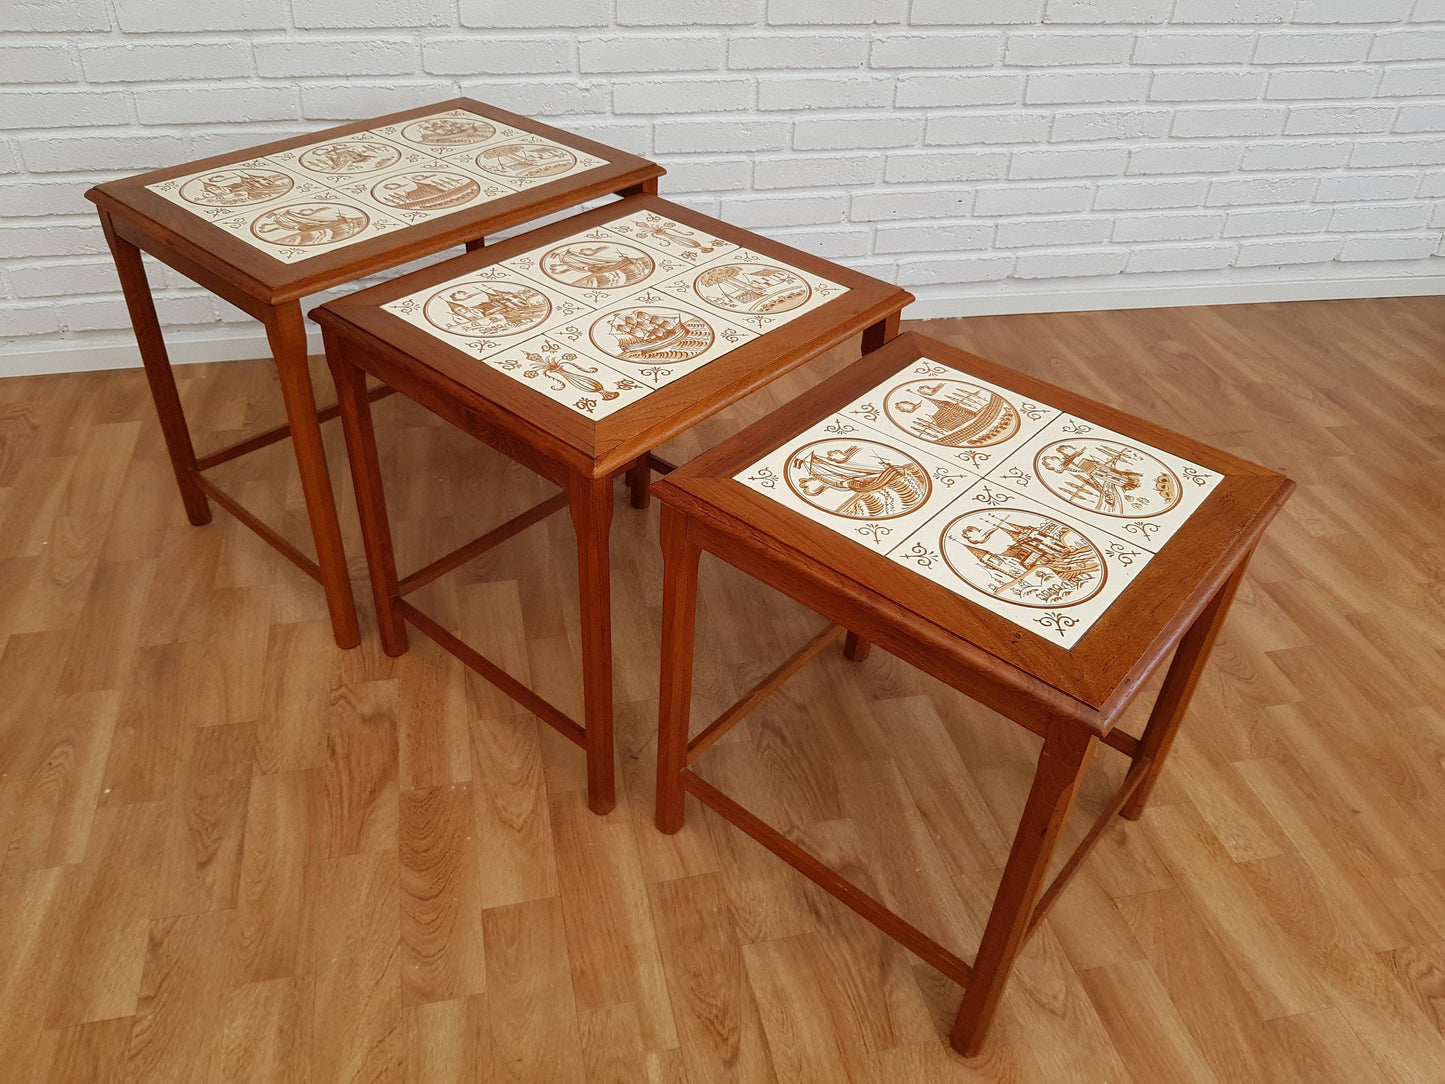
(287, 334)
(370, 499)
(1179, 683)
(639, 477)
(1061, 764)
(141, 306)
(591, 505)
(679, 620)
(855, 647)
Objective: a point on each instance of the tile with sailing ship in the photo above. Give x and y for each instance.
(487, 310)
(653, 339)
(1134, 491)
(1025, 561)
(671, 238)
(354, 158)
(568, 376)
(753, 290)
(597, 266)
(292, 231)
(525, 161)
(850, 479)
(956, 416)
(424, 191)
(455, 131)
(248, 186)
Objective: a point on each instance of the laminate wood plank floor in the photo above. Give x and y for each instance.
(229, 851)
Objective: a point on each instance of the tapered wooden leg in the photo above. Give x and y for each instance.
(1061, 764)
(141, 306)
(370, 499)
(855, 647)
(880, 333)
(476, 243)
(1177, 690)
(591, 503)
(679, 621)
(287, 334)
(639, 477)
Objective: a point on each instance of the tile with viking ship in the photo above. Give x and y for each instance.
(455, 131)
(298, 230)
(653, 339)
(849, 479)
(753, 290)
(671, 238)
(1027, 562)
(359, 157)
(577, 380)
(956, 416)
(1135, 492)
(487, 310)
(224, 193)
(597, 266)
(424, 191)
(525, 161)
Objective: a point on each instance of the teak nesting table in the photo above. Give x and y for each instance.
(1041, 553)
(269, 225)
(576, 349)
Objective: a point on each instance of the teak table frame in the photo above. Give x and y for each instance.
(1071, 698)
(579, 455)
(136, 219)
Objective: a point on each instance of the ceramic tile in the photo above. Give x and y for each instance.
(454, 131)
(293, 231)
(576, 380)
(846, 477)
(486, 310)
(355, 158)
(1101, 478)
(525, 161)
(424, 191)
(753, 290)
(597, 266)
(962, 419)
(248, 186)
(662, 234)
(650, 337)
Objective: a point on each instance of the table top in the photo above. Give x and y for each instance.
(292, 217)
(1069, 541)
(616, 329)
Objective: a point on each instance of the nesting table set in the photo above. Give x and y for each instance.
(1039, 552)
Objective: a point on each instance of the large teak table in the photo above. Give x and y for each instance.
(268, 225)
(1041, 553)
(576, 350)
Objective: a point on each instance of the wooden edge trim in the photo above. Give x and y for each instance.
(761, 691)
(477, 662)
(906, 934)
(477, 546)
(274, 540)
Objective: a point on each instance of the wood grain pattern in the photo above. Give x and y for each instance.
(1277, 913)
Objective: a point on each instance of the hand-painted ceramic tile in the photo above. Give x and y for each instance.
(597, 267)
(753, 290)
(1037, 515)
(373, 181)
(302, 229)
(959, 418)
(854, 482)
(223, 193)
(487, 310)
(662, 234)
(572, 378)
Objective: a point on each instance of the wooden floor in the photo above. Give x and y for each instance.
(232, 852)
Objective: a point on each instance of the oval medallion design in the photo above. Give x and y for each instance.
(473, 309)
(763, 288)
(349, 156)
(449, 131)
(309, 224)
(952, 413)
(1022, 557)
(859, 479)
(1108, 477)
(598, 265)
(236, 187)
(652, 334)
(426, 190)
(526, 161)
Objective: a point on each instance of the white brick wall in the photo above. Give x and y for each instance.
(988, 154)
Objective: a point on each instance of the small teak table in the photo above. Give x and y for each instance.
(268, 225)
(1041, 553)
(575, 350)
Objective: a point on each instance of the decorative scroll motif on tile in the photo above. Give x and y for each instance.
(1035, 514)
(300, 203)
(602, 318)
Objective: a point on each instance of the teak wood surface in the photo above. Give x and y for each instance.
(136, 220)
(1071, 697)
(575, 452)
(231, 853)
